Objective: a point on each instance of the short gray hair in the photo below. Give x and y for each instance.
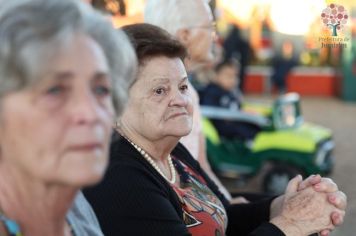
(32, 31)
(171, 15)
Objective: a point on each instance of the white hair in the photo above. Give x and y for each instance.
(171, 15)
(33, 31)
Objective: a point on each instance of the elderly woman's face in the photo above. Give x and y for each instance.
(159, 102)
(59, 129)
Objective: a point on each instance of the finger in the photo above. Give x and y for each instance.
(311, 180)
(293, 184)
(326, 185)
(338, 199)
(337, 218)
(239, 200)
(325, 232)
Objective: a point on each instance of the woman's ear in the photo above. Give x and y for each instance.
(183, 35)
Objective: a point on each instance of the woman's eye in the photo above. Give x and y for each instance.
(102, 90)
(159, 91)
(184, 88)
(55, 90)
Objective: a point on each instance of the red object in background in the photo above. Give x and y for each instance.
(254, 84)
(304, 83)
(266, 43)
(316, 85)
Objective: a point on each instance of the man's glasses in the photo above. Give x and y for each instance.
(211, 27)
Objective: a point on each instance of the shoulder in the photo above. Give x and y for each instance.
(127, 166)
(125, 159)
(128, 176)
(82, 216)
(134, 194)
(213, 88)
(211, 92)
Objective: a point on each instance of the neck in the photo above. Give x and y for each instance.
(192, 65)
(39, 208)
(159, 149)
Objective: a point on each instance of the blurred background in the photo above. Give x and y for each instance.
(291, 36)
(263, 26)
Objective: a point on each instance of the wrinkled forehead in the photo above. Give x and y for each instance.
(162, 69)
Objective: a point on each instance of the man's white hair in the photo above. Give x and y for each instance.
(171, 15)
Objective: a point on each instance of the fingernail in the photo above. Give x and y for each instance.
(337, 221)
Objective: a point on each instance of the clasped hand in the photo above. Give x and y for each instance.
(314, 205)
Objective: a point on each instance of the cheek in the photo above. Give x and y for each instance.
(152, 115)
(226, 84)
(149, 110)
(203, 49)
(190, 107)
(206, 40)
(30, 145)
(11, 144)
(22, 130)
(107, 116)
(197, 45)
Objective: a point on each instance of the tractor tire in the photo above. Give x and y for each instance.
(277, 177)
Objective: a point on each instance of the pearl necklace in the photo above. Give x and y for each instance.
(153, 163)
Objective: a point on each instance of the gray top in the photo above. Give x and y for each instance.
(82, 218)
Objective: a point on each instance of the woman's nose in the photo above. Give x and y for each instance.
(179, 99)
(85, 109)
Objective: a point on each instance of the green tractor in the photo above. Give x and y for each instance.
(285, 146)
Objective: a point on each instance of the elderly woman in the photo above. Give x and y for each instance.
(153, 185)
(61, 72)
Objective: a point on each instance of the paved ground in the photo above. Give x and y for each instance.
(341, 118)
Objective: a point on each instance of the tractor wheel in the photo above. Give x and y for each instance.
(276, 179)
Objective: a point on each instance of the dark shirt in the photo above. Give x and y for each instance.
(281, 68)
(214, 95)
(134, 199)
(235, 46)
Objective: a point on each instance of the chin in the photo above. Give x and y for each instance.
(91, 181)
(186, 132)
(181, 132)
(85, 179)
(85, 175)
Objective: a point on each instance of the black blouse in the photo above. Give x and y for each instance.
(134, 199)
